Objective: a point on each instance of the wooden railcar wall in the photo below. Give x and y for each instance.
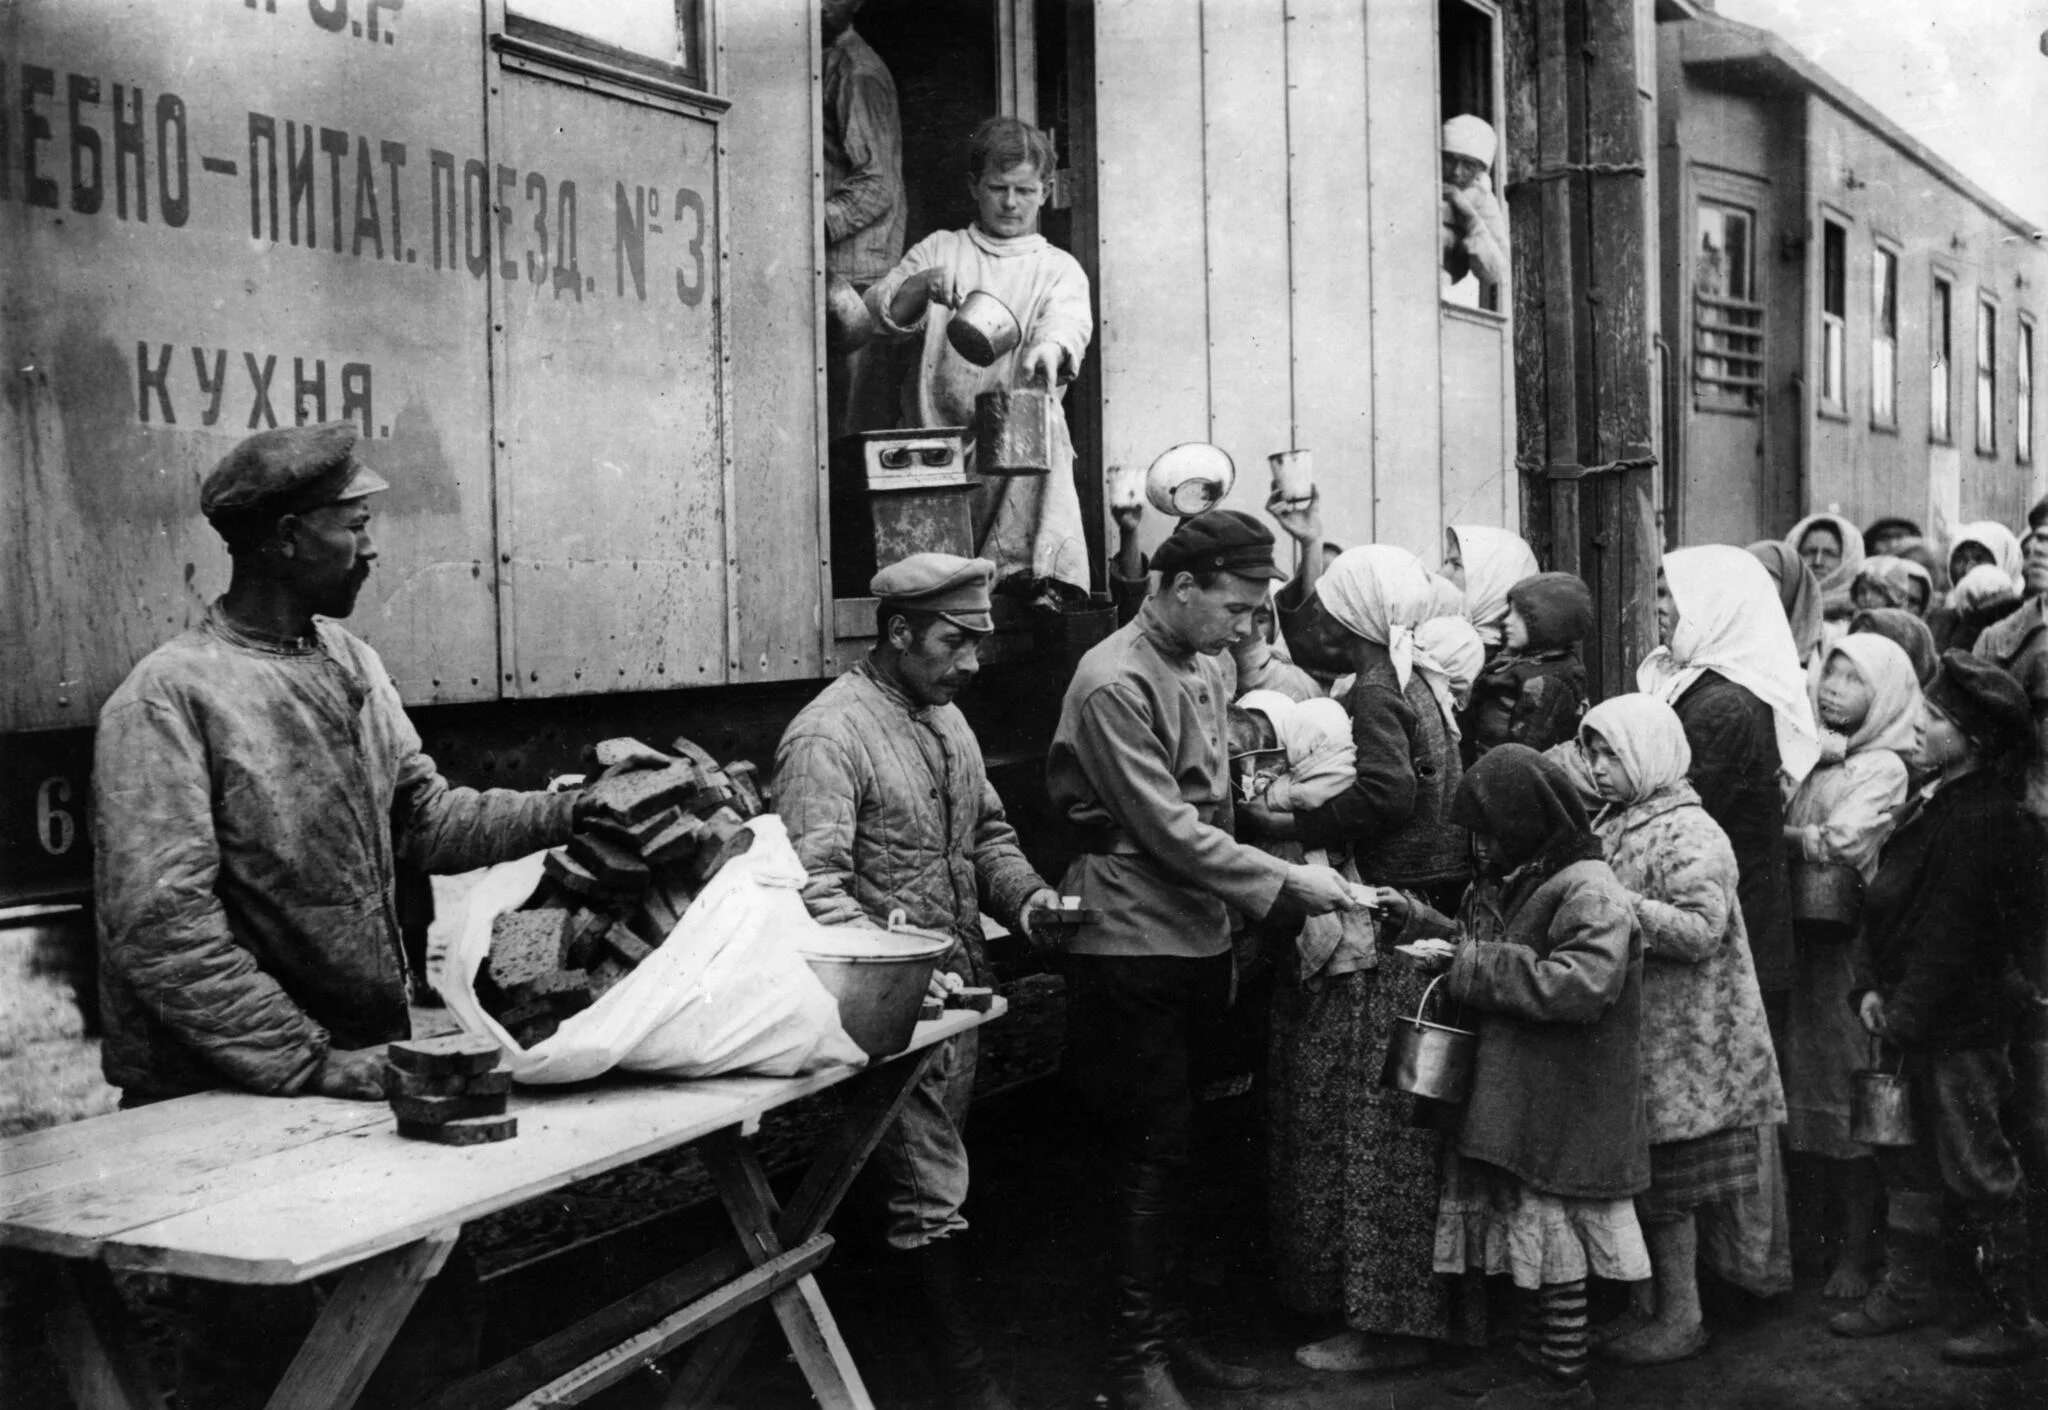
(1267, 174)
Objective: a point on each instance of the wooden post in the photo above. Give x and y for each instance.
(1577, 168)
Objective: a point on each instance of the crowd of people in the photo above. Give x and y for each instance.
(1807, 845)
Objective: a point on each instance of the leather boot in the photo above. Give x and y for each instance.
(1907, 1296)
(2009, 1334)
(954, 1348)
(1140, 1377)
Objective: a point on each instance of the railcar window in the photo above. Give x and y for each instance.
(1728, 318)
(1940, 358)
(1987, 377)
(1884, 338)
(667, 31)
(1475, 236)
(1834, 309)
(2023, 427)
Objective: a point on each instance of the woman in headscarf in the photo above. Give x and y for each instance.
(1551, 1146)
(1798, 594)
(1868, 703)
(1353, 1181)
(1885, 581)
(1985, 543)
(1485, 562)
(1728, 667)
(1452, 646)
(1832, 548)
(1710, 1080)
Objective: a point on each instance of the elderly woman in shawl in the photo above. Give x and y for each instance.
(1727, 665)
(1710, 1080)
(1353, 1180)
(1798, 594)
(1867, 703)
(1485, 562)
(1832, 548)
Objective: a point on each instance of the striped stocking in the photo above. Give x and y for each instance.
(1561, 1329)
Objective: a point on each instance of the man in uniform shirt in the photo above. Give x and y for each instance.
(882, 786)
(1140, 766)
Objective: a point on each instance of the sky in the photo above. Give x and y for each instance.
(1969, 80)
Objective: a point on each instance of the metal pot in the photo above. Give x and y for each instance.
(1430, 1059)
(879, 979)
(1826, 895)
(1880, 1106)
(1013, 431)
(848, 324)
(982, 328)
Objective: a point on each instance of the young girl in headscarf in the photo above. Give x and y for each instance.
(1942, 975)
(1551, 1147)
(1485, 562)
(1832, 548)
(1353, 1179)
(1868, 703)
(1710, 1080)
(1534, 690)
(1728, 667)
(1885, 581)
(1798, 594)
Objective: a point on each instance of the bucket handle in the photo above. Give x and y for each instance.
(898, 918)
(1876, 1055)
(1422, 1004)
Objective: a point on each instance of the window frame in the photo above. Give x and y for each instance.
(1941, 356)
(2025, 388)
(1729, 331)
(1884, 255)
(1985, 358)
(1832, 346)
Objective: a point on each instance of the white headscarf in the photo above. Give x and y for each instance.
(1495, 560)
(1381, 593)
(1448, 649)
(1998, 541)
(1647, 739)
(1983, 586)
(1895, 710)
(1315, 735)
(1730, 623)
(1836, 583)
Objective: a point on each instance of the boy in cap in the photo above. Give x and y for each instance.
(1139, 765)
(1944, 971)
(1474, 238)
(881, 783)
(254, 781)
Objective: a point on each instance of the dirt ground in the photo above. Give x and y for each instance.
(1037, 1248)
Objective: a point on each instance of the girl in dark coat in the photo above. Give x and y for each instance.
(1728, 667)
(1534, 691)
(1552, 1145)
(1943, 974)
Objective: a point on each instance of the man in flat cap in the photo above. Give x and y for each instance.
(254, 780)
(1140, 766)
(882, 786)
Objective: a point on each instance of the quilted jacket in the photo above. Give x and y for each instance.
(249, 798)
(889, 804)
(1708, 1064)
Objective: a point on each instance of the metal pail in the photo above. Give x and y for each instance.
(1826, 895)
(1880, 1107)
(1430, 1059)
(983, 329)
(1013, 431)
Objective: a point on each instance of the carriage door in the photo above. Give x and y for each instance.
(611, 435)
(1725, 493)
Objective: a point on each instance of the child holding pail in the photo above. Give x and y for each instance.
(1867, 701)
(1551, 1146)
(1942, 977)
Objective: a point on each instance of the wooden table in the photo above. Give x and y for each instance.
(274, 1190)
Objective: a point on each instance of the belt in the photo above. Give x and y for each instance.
(1109, 840)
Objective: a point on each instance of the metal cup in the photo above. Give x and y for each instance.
(1294, 474)
(1126, 486)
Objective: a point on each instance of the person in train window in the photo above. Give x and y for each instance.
(865, 207)
(1028, 525)
(1474, 235)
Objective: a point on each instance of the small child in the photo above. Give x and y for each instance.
(1868, 705)
(1534, 691)
(1551, 1146)
(1942, 973)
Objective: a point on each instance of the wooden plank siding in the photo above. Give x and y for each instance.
(1267, 181)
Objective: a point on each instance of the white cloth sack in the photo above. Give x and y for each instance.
(728, 992)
